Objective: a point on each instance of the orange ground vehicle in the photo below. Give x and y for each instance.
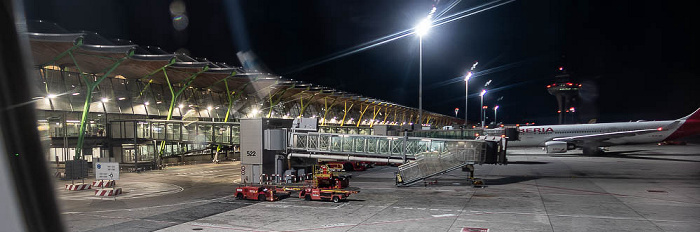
(325, 185)
(260, 193)
(324, 178)
(335, 195)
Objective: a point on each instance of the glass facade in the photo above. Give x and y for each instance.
(127, 111)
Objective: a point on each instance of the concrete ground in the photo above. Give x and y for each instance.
(633, 188)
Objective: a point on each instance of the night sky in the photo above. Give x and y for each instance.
(635, 59)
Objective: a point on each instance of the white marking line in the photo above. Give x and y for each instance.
(444, 215)
(149, 207)
(130, 218)
(334, 225)
(410, 208)
(284, 205)
(341, 205)
(215, 226)
(471, 212)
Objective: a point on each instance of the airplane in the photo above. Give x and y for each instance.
(592, 137)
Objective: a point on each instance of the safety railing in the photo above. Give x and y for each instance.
(428, 164)
(365, 145)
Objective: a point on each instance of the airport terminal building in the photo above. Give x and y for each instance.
(115, 100)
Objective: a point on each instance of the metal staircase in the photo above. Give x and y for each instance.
(455, 156)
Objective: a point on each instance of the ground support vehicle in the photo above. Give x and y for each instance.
(335, 195)
(260, 193)
(324, 178)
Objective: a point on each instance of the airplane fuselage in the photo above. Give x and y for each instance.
(538, 135)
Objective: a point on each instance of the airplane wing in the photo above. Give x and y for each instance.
(601, 137)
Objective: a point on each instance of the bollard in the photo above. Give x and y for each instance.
(262, 178)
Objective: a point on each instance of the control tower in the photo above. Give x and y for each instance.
(567, 93)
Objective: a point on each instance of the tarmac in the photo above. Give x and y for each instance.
(632, 188)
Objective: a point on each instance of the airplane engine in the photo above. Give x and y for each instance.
(555, 147)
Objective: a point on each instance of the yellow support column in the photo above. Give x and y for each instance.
(386, 114)
(326, 108)
(345, 112)
(273, 103)
(362, 112)
(375, 112)
(403, 117)
(303, 106)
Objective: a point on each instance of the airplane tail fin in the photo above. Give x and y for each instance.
(694, 116)
(690, 126)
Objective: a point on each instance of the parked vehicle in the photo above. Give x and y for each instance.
(260, 193)
(317, 194)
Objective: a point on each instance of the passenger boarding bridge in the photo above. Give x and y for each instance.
(428, 156)
(392, 149)
(279, 143)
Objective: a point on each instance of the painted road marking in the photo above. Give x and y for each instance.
(444, 215)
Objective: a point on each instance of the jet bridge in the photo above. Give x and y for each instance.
(420, 158)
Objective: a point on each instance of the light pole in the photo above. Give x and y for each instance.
(466, 92)
(495, 114)
(466, 96)
(483, 117)
(421, 30)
